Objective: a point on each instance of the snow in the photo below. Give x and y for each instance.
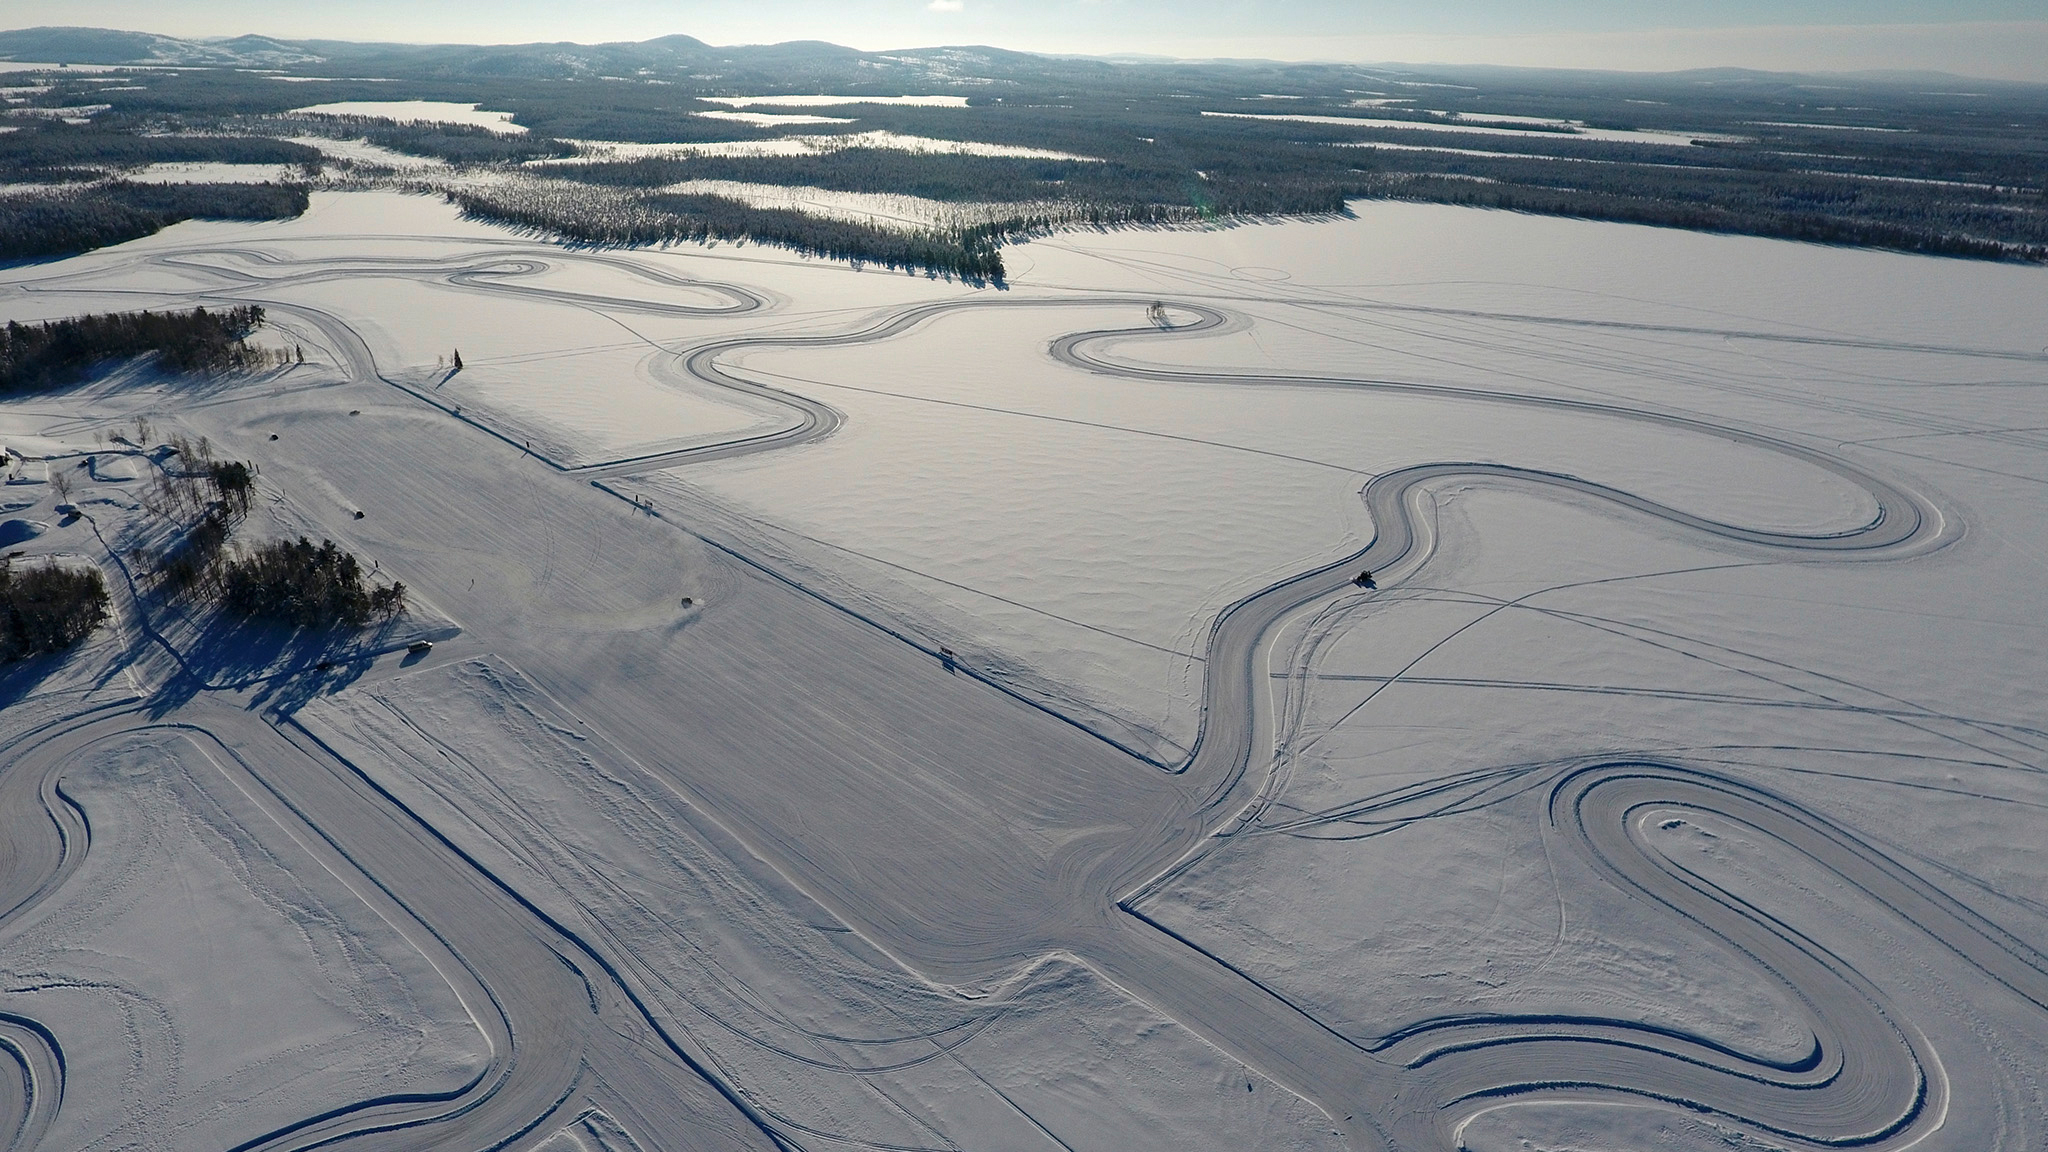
(214, 173)
(419, 112)
(754, 979)
(829, 101)
(72, 114)
(33, 66)
(895, 212)
(364, 152)
(1828, 127)
(188, 877)
(772, 119)
(844, 848)
(1615, 135)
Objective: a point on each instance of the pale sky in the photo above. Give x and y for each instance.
(1996, 38)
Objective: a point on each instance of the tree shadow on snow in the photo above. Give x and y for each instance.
(20, 678)
(287, 667)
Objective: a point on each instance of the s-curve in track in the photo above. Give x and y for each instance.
(1868, 1078)
(1865, 1079)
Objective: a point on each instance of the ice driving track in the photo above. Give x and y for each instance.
(1868, 1078)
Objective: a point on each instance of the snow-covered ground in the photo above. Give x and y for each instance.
(829, 101)
(884, 712)
(364, 152)
(419, 112)
(209, 978)
(215, 173)
(893, 211)
(774, 119)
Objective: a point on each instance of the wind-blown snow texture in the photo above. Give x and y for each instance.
(869, 711)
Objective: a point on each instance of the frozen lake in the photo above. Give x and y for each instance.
(871, 710)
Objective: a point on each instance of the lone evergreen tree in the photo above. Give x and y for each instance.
(458, 359)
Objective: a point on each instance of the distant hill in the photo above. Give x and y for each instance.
(796, 62)
(107, 46)
(808, 65)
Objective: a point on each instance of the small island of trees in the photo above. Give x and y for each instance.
(48, 608)
(61, 352)
(306, 585)
(294, 582)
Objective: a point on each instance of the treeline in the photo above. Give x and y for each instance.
(59, 352)
(1813, 227)
(56, 152)
(1251, 184)
(66, 222)
(48, 608)
(1872, 213)
(593, 216)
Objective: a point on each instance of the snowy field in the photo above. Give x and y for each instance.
(618, 150)
(871, 711)
(419, 112)
(821, 101)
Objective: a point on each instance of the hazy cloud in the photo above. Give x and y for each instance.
(947, 5)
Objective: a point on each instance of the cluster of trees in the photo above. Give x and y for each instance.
(307, 586)
(59, 352)
(211, 496)
(597, 217)
(1141, 188)
(75, 220)
(624, 204)
(294, 582)
(48, 607)
(56, 152)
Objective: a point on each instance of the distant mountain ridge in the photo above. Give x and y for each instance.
(808, 65)
(796, 60)
(110, 46)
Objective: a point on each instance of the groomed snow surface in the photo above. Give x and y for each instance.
(870, 711)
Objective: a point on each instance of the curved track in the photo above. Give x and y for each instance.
(1867, 1079)
(528, 987)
